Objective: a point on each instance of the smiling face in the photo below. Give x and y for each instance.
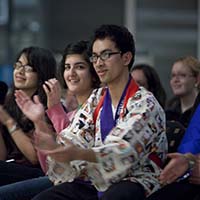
(25, 79)
(77, 75)
(111, 70)
(182, 80)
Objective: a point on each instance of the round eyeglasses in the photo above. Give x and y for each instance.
(26, 68)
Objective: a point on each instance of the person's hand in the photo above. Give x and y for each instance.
(63, 153)
(52, 89)
(176, 167)
(45, 141)
(34, 110)
(195, 174)
(5, 118)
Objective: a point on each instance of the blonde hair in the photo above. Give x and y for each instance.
(192, 63)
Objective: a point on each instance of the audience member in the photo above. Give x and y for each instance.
(184, 82)
(80, 78)
(121, 156)
(146, 76)
(184, 163)
(19, 159)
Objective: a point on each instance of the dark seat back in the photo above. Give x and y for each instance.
(175, 131)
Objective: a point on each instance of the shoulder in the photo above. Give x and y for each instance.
(144, 99)
(96, 95)
(143, 95)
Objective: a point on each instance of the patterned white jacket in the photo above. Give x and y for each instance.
(128, 150)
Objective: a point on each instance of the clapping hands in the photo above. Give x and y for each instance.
(33, 109)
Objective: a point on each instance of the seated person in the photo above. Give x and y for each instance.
(74, 65)
(184, 82)
(18, 156)
(183, 164)
(118, 142)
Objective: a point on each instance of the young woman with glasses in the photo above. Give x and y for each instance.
(184, 82)
(80, 78)
(19, 160)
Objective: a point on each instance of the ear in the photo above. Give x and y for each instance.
(126, 57)
(197, 84)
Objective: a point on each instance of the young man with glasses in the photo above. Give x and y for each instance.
(124, 158)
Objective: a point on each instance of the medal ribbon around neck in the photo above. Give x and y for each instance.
(106, 117)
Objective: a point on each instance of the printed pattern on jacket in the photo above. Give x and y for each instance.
(125, 153)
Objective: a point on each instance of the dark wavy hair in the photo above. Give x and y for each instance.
(44, 64)
(82, 48)
(153, 82)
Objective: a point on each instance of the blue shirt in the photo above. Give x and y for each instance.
(191, 139)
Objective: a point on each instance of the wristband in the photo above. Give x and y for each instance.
(191, 162)
(13, 129)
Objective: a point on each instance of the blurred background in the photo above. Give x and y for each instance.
(164, 29)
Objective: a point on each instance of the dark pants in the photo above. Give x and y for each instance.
(197, 197)
(124, 190)
(69, 191)
(176, 191)
(12, 172)
(24, 190)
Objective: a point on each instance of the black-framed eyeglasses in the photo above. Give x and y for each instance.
(26, 68)
(103, 56)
